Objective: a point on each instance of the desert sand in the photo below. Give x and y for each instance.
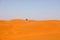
(17, 29)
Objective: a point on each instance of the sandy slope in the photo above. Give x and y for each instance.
(29, 30)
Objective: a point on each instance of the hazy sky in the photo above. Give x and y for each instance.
(31, 9)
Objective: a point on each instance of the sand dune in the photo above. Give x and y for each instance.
(29, 30)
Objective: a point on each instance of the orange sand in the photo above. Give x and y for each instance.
(29, 30)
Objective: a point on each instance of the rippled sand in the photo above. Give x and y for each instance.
(29, 30)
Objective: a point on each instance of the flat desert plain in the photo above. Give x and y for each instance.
(29, 30)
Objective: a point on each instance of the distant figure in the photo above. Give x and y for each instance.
(26, 19)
